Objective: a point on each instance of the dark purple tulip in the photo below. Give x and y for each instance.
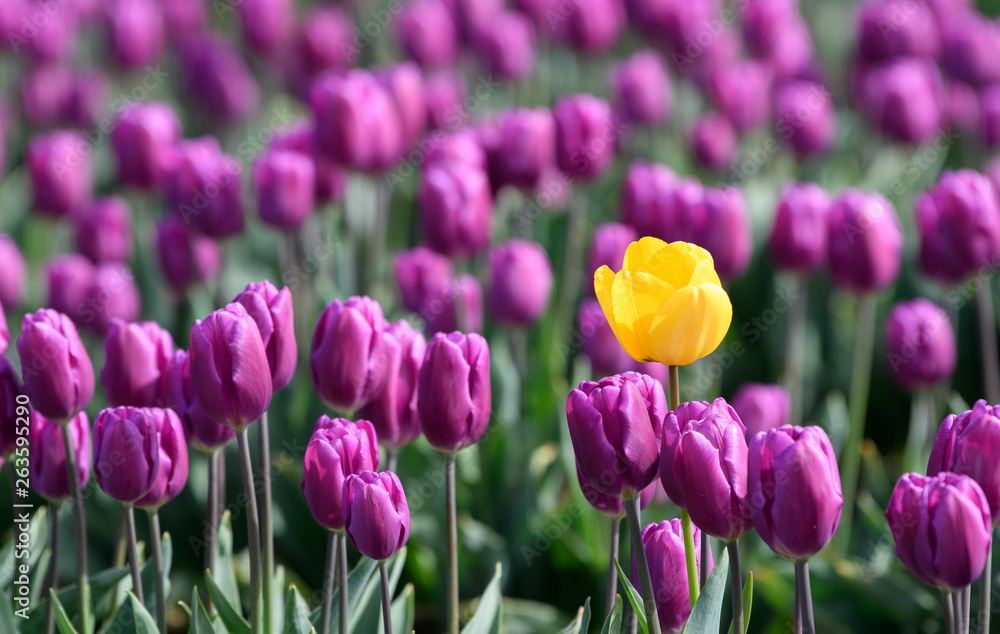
(48, 470)
(271, 309)
(266, 24)
(942, 528)
(904, 98)
(113, 294)
(229, 367)
(464, 145)
(608, 504)
(594, 27)
(742, 91)
(607, 248)
(801, 228)
(201, 431)
(376, 515)
(988, 123)
(137, 364)
(761, 407)
(60, 166)
(520, 282)
(474, 16)
(775, 32)
(647, 198)
(664, 546)
(726, 231)
(10, 388)
(104, 230)
(713, 141)
(45, 92)
(806, 118)
(794, 490)
(217, 77)
(57, 373)
(427, 33)
(963, 107)
(405, 84)
(357, 123)
(642, 88)
(507, 45)
(454, 398)
(185, 18)
(346, 356)
(419, 272)
(284, 184)
(444, 94)
(866, 241)
(126, 452)
(173, 471)
(185, 257)
(920, 344)
(896, 28)
(325, 42)
(598, 341)
(203, 188)
(966, 444)
(87, 100)
(455, 305)
(143, 140)
(330, 179)
(676, 423)
(338, 448)
(393, 412)
(48, 34)
(137, 32)
(526, 147)
(68, 280)
(456, 208)
(959, 224)
(971, 46)
(586, 134)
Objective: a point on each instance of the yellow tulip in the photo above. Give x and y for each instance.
(666, 304)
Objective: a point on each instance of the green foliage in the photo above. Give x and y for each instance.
(489, 613)
(634, 598)
(706, 615)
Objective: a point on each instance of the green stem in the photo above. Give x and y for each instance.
(133, 554)
(706, 557)
(675, 387)
(329, 574)
(212, 510)
(52, 576)
(80, 521)
(805, 596)
(689, 556)
(949, 611)
(161, 596)
(988, 341)
(344, 590)
(386, 599)
(794, 349)
(392, 459)
(609, 601)
(253, 533)
(452, 537)
(985, 592)
(915, 454)
(267, 532)
(572, 265)
(635, 534)
(966, 600)
(736, 580)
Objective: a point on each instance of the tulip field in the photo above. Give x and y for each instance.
(488, 317)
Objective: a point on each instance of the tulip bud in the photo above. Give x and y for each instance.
(608, 246)
(338, 448)
(904, 98)
(794, 490)
(217, 77)
(393, 412)
(137, 32)
(68, 280)
(173, 457)
(376, 515)
(46, 90)
(455, 305)
(203, 188)
(419, 272)
(761, 407)
(520, 282)
(464, 145)
(598, 341)
(608, 504)
(742, 91)
(137, 364)
(988, 123)
(201, 431)
(866, 241)
(186, 258)
(642, 88)
(103, 231)
(444, 94)
(920, 344)
(726, 231)
(405, 85)
(143, 139)
(330, 179)
(427, 33)
(776, 33)
(806, 118)
(664, 546)
(272, 311)
(970, 47)
(646, 197)
(48, 471)
(57, 373)
(87, 100)
(594, 27)
(585, 135)
(229, 367)
(112, 295)
(526, 147)
(896, 28)
(713, 141)
(284, 184)
(963, 107)
(965, 445)
(456, 208)
(454, 397)
(800, 233)
(324, 42)
(52, 34)
(12, 274)
(347, 353)
(126, 452)
(10, 389)
(507, 45)
(942, 528)
(59, 164)
(266, 24)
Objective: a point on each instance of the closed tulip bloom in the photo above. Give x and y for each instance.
(520, 282)
(330, 180)
(217, 77)
(126, 452)
(904, 98)
(46, 90)
(324, 42)
(970, 48)
(675, 423)
(137, 364)
(203, 188)
(393, 412)
(346, 357)
(266, 24)
(87, 99)
(650, 204)
(920, 344)
(376, 515)
(806, 118)
(598, 341)
(272, 311)
(608, 504)
(455, 305)
(137, 32)
(608, 246)
(454, 399)
(988, 124)
(54, 33)
(526, 146)
(48, 471)
(866, 241)
(68, 279)
(185, 18)
(666, 304)
(202, 432)
(143, 139)
(229, 367)
(185, 257)
(464, 145)
(171, 477)
(10, 388)
(13, 273)
(726, 231)
(761, 407)
(57, 373)
(284, 184)
(60, 166)
(775, 32)
(941, 525)
(444, 94)
(642, 88)
(594, 27)
(427, 33)
(794, 490)
(742, 91)
(963, 107)
(800, 233)
(338, 448)
(664, 546)
(405, 85)
(456, 208)
(113, 294)
(103, 231)
(585, 135)
(966, 445)
(713, 141)
(507, 45)
(895, 28)
(419, 272)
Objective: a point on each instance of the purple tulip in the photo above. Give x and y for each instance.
(104, 231)
(137, 32)
(520, 282)
(794, 490)
(57, 373)
(963, 107)
(896, 28)
(594, 27)
(455, 305)
(202, 432)
(801, 228)
(598, 341)
(642, 88)
(48, 471)
(69, 279)
(920, 344)
(806, 118)
(475, 16)
(185, 258)
(761, 407)
(970, 48)
(464, 145)
(420, 272)
(454, 399)
(203, 188)
(742, 91)
(866, 241)
(586, 134)
(942, 528)
(347, 353)
(272, 311)
(143, 139)
(137, 364)
(607, 247)
(526, 147)
(648, 202)
(46, 90)
(284, 184)
(427, 33)
(393, 413)
(675, 424)
(713, 141)
(48, 34)
(87, 99)
(507, 45)
(10, 388)
(608, 504)
(266, 24)
(775, 32)
(444, 95)
(338, 448)
(904, 98)
(726, 231)
(13, 273)
(376, 515)
(126, 452)
(330, 179)
(113, 294)
(324, 42)
(173, 458)
(405, 84)
(217, 77)
(456, 208)
(664, 546)
(60, 166)
(988, 124)
(185, 18)
(965, 445)
(229, 367)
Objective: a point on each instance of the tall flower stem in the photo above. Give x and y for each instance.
(736, 579)
(342, 580)
(329, 573)
(212, 511)
(689, 556)
(985, 593)
(392, 459)
(988, 341)
(451, 521)
(161, 595)
(253, 533)
(915, 454)
(675, 387)
(635, 534)
(572, 264)
(52, 576)
(864, 342)
(609, 599)
(794, 349)
(133, 554)
(949, 611)
(80, 521)
(386, 599)
(804, 594)
(267, 532)
(706, 557)
(966, 595)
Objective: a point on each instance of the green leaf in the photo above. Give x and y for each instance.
(296, 613)
(62, 621)
(200, 621)
(278, 599)
(38, 575)
(404, 611)
(225, 571)
(38, 536)
(634, 598)
(230, 617)
(357, 581)
(488, 616)
(103, 586)
(132, 618)
(581, 623)
(747, 604)
(7, 623)
(707, 612)
(613, 624)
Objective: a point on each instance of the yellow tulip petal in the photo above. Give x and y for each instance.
(640, 253)
(604, 279)
(691, 324)
(704, 273)
(637, 298)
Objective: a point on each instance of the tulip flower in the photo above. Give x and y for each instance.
(137, 32)
(217, 77)
(172, 474)
(800, 233)
(61, 171)
(68, 279)
(143, 138)
(608, 246)
(970, 47)
(904, 98)
(10, 389)
(48, 457)
(520, 282)
(57, 373)
(598, 341)
(526, 147)
(917, 35)
(13, 274)
(585, 135)
(726, 231)
(920, 344)
(202, 432)
(419, 272)
(761, 407)
(266, 24)
(456, 208)
(203, 188)
(324, 41)
(713, 141)
(427, 33)
(642, 88)
(186, 258)
(806, 118)
(455, 305)
(507, 45)
(284, 184)
(112, 294)
(741, 91)
(865, 241)
(137, 364)
(465, 145)
(405, 86)
(271, 310)
(444, 93)
(347, 357)
(103, 231)
(663, 544)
